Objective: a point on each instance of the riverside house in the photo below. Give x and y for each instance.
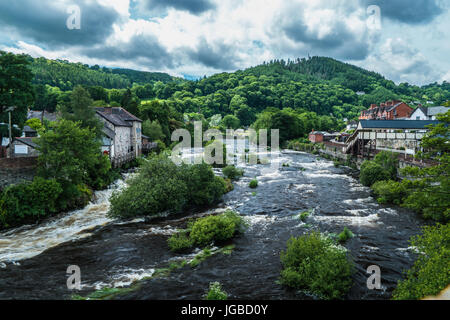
(122, 139)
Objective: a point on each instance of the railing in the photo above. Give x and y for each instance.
(149, 146)
(120, 160)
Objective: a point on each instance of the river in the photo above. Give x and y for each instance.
(111, 253)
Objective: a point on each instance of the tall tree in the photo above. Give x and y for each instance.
(80, 108)
(15, 90)
(431, 186)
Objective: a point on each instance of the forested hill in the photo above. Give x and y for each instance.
(317, 84)
(66, 75)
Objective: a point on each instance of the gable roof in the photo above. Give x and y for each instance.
(27, 141)
(38, 115)
(396, 124)
(432, 111)
(117, 116)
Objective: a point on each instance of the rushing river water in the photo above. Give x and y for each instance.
(34, 259)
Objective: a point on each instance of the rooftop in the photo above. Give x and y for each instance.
(396, 124)
(117, 116)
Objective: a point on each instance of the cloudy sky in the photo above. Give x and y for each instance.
(405, 40)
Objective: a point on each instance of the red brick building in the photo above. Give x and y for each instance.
(390, 110)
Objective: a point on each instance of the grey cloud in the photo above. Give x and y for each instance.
(45, 21)
(144, 49)
(341, 43)
(218, 56)
(192, 6)
(407, 11)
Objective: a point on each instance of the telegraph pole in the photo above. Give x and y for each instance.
(9, 110)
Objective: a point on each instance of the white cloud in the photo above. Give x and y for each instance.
(239, 34)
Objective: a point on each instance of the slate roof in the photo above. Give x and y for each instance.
(117, 116)
(432, 111)
(27, 141)
(396, 124)
(38, 115)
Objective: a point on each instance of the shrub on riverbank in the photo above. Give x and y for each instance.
(215, 292)
(233, 173)
(390, 192)
(430, 273)
(163, 186)
(314, 263)
(217, 228)
(208, 230)
(345, 235)
(253, 184)
(180, 241)
(372, 172)
(29, 202)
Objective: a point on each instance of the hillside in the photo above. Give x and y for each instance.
(318, 84)
(66, 75)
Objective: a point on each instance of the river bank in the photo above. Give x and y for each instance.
(114, 254)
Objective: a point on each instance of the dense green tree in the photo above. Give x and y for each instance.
(430, 187)
(81, 109)
(16, 91)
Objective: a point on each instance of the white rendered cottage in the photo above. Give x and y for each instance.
(122, 133)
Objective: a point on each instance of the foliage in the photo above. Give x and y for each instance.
(80, 109)
(232, 173)
(253, 184)
(15, 90)
(153, 130)
(29, 202)
(204, 187)
(430, 273)
(390, 192)
(345, 235)
(429, 188)
(304, 215)
(217, 228)
(231, 122)
(314, 263)
(372, 172)
(162, 186)
(180, 242)
(215, 292)
(389, 161)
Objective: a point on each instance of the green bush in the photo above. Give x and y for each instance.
(372, 172)
(390, 192)
(345, 235)
(253, 184)
(215, 292)
(180, 242)
(162, 186)
(28, 202)
(231, 172)
(389, 162)
(314, 263)
(204, 188)
(304, 215)
(216, 228)
(430, 273)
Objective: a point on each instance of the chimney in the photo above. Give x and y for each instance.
(107, 110)
(372, 106)
(382, 104)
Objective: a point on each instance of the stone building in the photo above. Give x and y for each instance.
(122, 139)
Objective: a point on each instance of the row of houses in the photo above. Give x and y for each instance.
(398, 110)
(122, 138)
